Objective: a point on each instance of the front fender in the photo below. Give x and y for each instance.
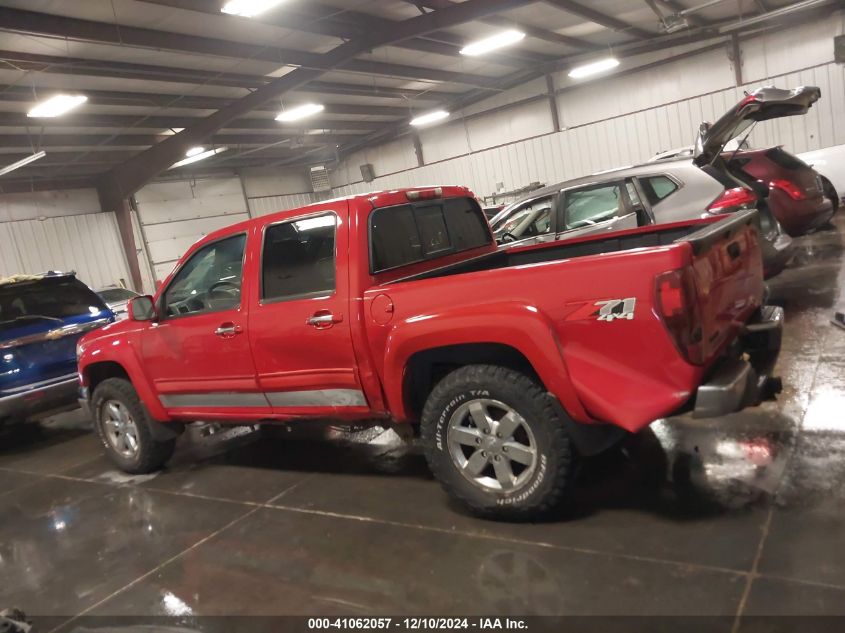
(517, 325)
(122, 351)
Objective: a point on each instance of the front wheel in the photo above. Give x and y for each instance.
(496, 443)
(124, 427)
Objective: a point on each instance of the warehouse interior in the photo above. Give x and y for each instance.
(192, 122)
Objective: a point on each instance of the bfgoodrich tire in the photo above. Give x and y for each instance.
(496, 443)
(124, 427)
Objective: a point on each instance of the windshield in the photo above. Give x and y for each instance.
(46, 300)
(531, 220)
(112, 295)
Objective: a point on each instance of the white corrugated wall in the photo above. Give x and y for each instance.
(619, 121)
(61, 230)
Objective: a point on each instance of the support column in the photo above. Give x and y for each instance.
(418, 150)
(735, 55)
(550, 88)
(123, 214)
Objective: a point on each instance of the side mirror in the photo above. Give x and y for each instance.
(141, 308)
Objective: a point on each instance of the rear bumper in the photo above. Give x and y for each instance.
(44, 397)
(776, 254)
(744, 378)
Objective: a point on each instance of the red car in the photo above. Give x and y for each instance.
(797, 194)
(399, 307)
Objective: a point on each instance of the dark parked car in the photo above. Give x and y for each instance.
(41, 319)
(798, 196)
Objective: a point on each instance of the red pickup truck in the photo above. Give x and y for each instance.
(398, 307)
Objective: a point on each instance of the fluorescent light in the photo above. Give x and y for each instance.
(172, 130)
(194, 151)
(249, 8)
(593, 68)
(431, 117)
(57, 106)
(499, 40)
(300, 112)
(197, 157)
(23, 161)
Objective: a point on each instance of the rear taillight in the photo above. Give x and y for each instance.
(675, 304)
(790, 188)
(736, 199)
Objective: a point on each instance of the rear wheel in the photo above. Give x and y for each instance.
(496, 443)
(125, 428)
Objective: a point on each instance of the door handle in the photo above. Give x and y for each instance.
(228, 330)
(323, 319)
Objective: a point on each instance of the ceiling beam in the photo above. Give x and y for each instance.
(126, 178)
(33, 23)
(602, 19)
(532, 31)
(75, 66)
(94, 141)
(346, 24)
(121, 121)
(24, 94)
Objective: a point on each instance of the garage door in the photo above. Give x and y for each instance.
(174, 215)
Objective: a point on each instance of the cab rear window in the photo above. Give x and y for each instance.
(410, 233)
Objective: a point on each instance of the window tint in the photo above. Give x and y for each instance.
(658, 187)
(785, 159)
(432, 227)
(467, 227)
(410, 233)
(530, 220)
(585, 207)
(209, 281)
(395, 240)
(45, 299)
(299, 258)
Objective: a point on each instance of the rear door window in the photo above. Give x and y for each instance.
(410, 233)
(298, 258)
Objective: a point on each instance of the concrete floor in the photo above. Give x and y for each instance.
(743, 515)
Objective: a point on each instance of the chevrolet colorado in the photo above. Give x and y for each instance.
(398, 306)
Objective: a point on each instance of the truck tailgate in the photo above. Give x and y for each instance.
(726, 277)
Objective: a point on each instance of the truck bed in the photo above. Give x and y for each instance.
(641, 237)
(551, 299)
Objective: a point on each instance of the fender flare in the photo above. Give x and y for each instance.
(123, 353)
(514, 324)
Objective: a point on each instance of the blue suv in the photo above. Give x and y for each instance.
(41, 319)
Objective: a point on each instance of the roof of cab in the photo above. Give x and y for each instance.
(377, 199)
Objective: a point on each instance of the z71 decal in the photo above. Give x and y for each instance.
(616, 309)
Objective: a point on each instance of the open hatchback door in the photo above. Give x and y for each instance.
(761, 105)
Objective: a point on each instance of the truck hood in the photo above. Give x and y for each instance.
(761, 105)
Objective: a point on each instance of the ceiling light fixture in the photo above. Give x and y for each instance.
(194, 151)
(197, 157)
(57, 106)
(431, 117)
(499, 40)
(22, 162)
(300, 112)
(593, 68)
(249, 8)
